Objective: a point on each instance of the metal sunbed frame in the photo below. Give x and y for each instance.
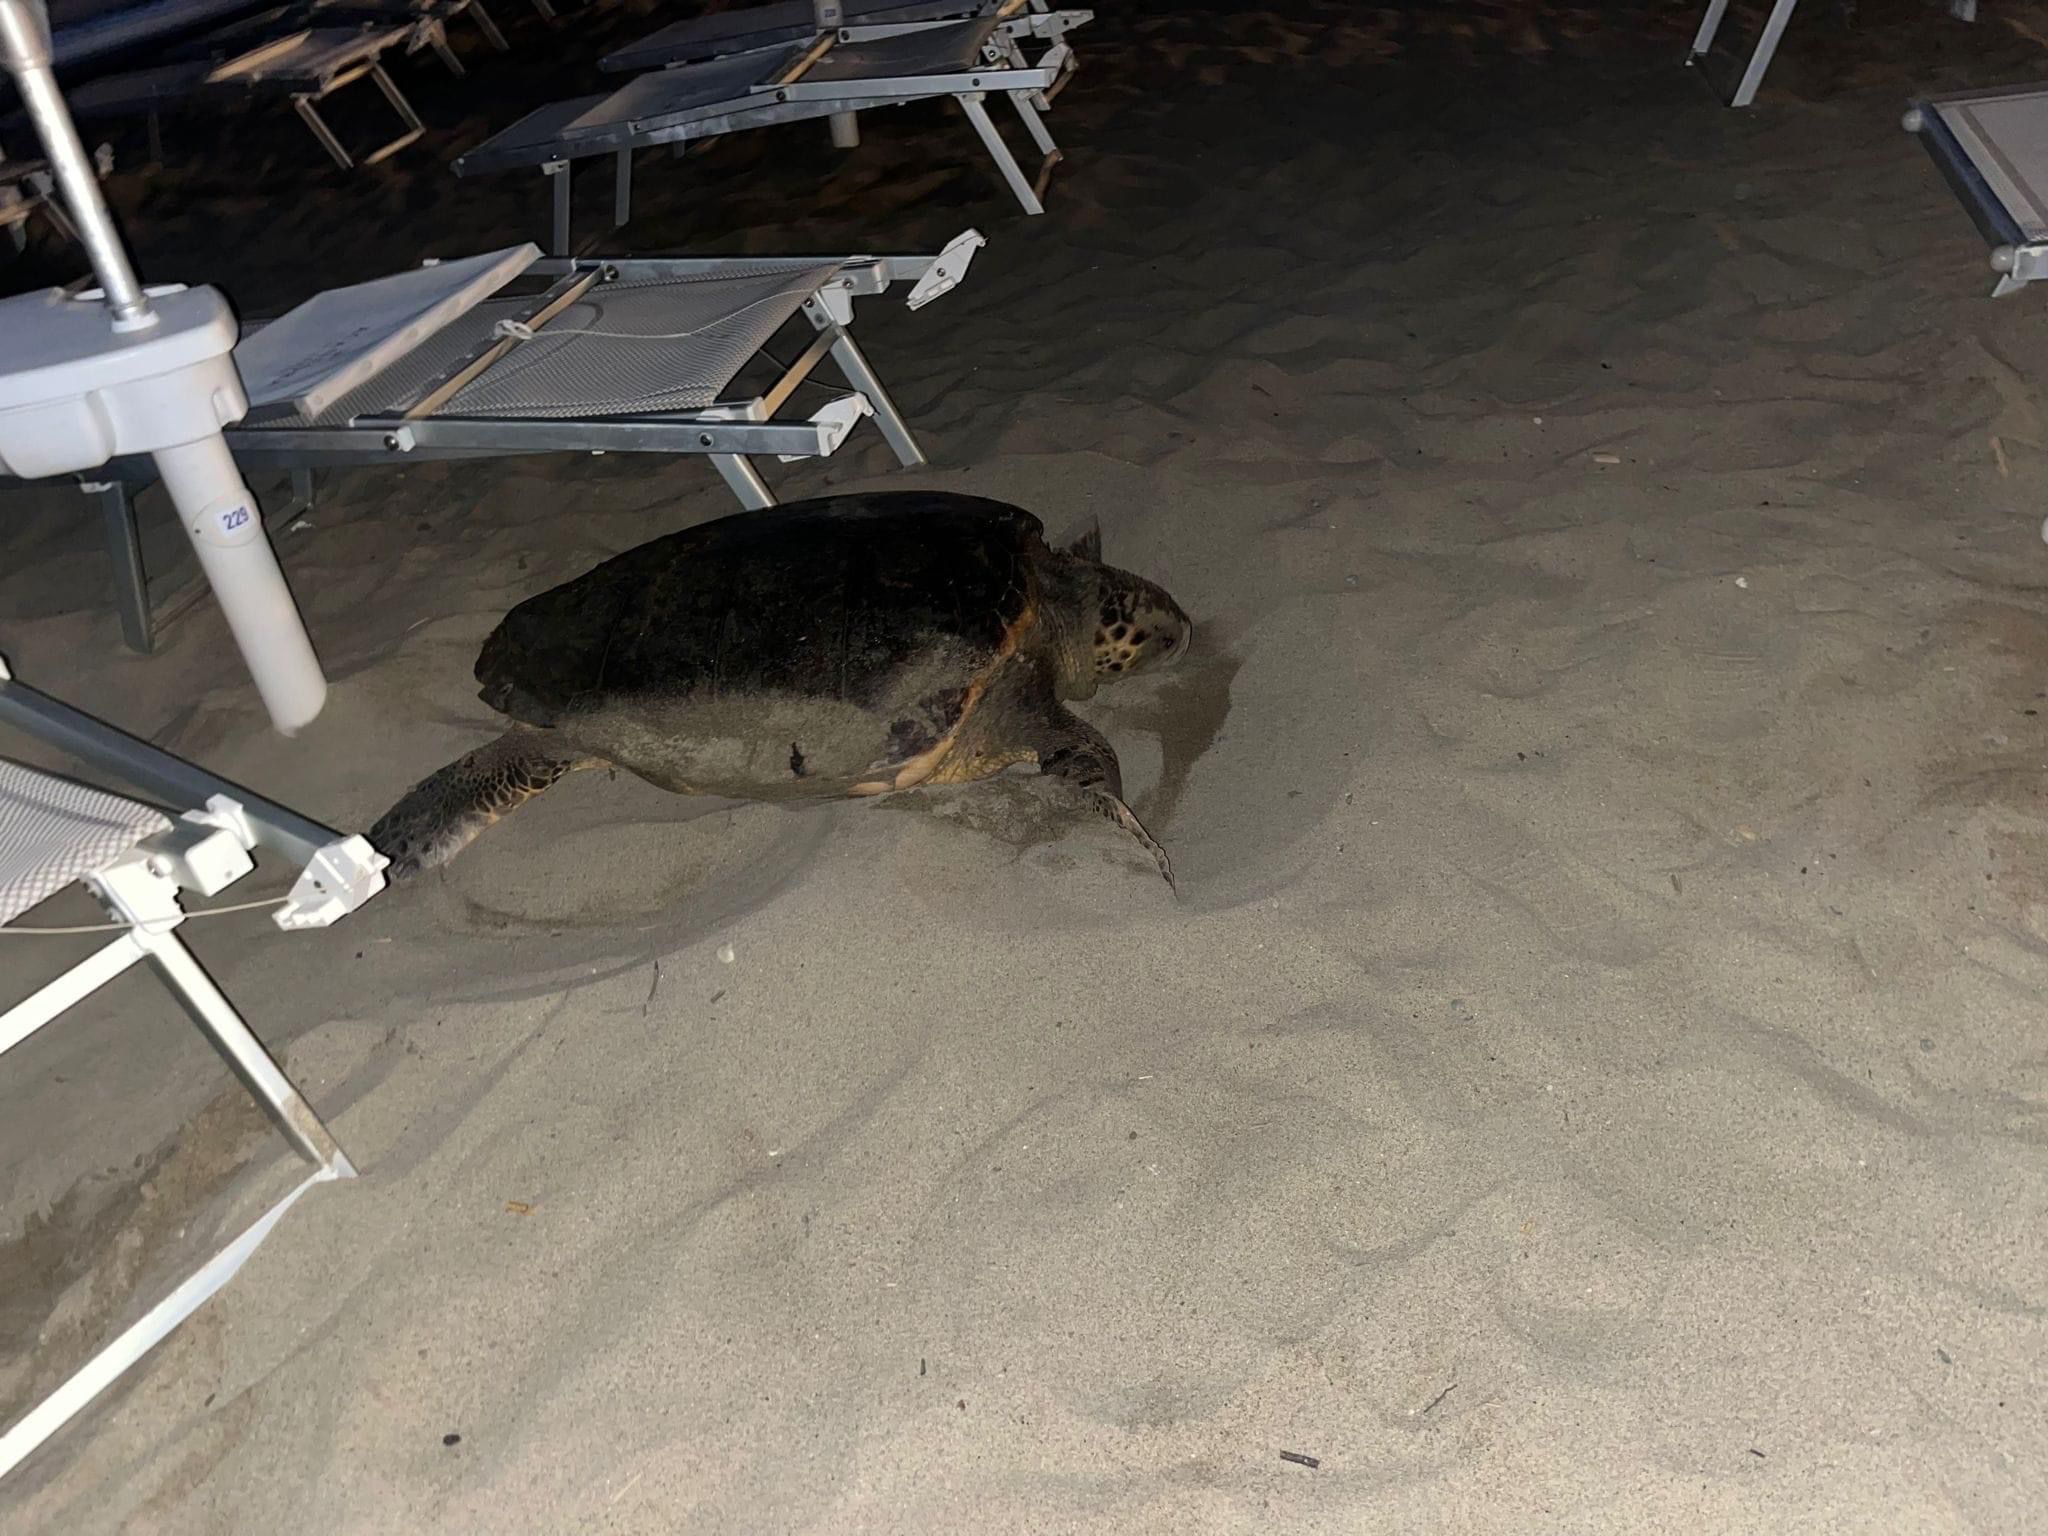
(306, 66)
(426, 22)
(1992, 149)
(137, 862)
(747, 29)
(1779, 17)
(855, 69)
(498, 381)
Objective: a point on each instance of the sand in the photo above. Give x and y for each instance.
(1592, 1078)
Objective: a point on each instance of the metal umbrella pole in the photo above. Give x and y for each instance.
(124, 371)
(831, 16)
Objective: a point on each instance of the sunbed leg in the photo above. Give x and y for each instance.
(310, 115)
(1034, 124)
(547, 12)
(1766, 47)
(1009, 51)
(622, 190)
(301, 502)
(414, 128)
(53, 210)
(557, 172)
(1703, 40)
(977, 114)
(744, 479)
(895, 431)
(437, 39)
(135, 1341)
(486, 25)
(148, 901)
(131, 582)
(216, 1016)
(845, 130)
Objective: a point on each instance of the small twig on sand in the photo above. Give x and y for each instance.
(1311, 1462)
(628, 1488)
(1998, 453)
(652, 988)
(1435, 1401)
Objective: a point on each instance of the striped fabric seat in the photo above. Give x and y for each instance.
(54, 832)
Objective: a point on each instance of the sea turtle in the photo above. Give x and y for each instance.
(843, 646)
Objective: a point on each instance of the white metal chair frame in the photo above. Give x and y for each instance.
(1759, 58)
(204, 851)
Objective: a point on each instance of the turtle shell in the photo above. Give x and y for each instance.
(827, 599)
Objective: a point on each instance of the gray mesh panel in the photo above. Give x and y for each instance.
(53, 832)
(670, 344)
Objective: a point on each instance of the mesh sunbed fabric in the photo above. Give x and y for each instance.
(668, 344)
(54, 833)
(761, 26)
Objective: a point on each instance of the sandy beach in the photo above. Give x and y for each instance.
(1592, 1078)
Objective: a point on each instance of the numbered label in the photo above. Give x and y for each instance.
(235, 519)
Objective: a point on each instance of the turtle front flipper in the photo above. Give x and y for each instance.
(442, 814)
(1080, 757)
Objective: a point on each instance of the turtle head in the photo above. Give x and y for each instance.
(1138, 624)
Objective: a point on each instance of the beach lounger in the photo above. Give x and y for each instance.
(777, 85)
(751, 28)
(426, 24)
(306, 67)
(1992, 148)
(747, 29)
(136, 861)
(509, 353)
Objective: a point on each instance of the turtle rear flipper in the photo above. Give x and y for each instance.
(442, 814)
(1080, 757)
